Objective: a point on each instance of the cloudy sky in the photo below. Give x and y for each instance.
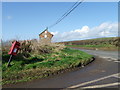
(106, 29)
(26, 20)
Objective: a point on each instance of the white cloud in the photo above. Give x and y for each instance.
(106, 29)
(54, 33)
(103, 33)
(84, 29)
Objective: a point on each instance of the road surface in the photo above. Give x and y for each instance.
(104, 54)
(102, 73)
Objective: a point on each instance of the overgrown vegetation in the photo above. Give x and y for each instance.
(36, 60)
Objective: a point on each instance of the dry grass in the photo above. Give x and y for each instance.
(39, 48)
(33, 47)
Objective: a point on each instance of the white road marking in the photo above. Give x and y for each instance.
(117, 61)
(117, 76)
(114, 61)
(85, 83)
(101, 86)
(111, 59)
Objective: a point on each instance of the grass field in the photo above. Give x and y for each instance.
(42, 65)
(95, 47)
(111, 43)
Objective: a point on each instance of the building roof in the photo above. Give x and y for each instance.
(44, 31)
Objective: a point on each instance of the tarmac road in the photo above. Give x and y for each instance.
(101, 73)
(104, 54)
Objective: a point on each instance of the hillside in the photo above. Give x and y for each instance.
(111, 43)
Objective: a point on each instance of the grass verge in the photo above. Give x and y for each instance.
(41, 66)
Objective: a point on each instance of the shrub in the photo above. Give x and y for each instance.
(39, 48)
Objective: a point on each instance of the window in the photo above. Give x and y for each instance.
(45, 36)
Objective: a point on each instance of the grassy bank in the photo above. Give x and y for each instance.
(42, 65)
(110, 43)
(95, 47)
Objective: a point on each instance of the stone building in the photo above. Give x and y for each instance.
(45, 37)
